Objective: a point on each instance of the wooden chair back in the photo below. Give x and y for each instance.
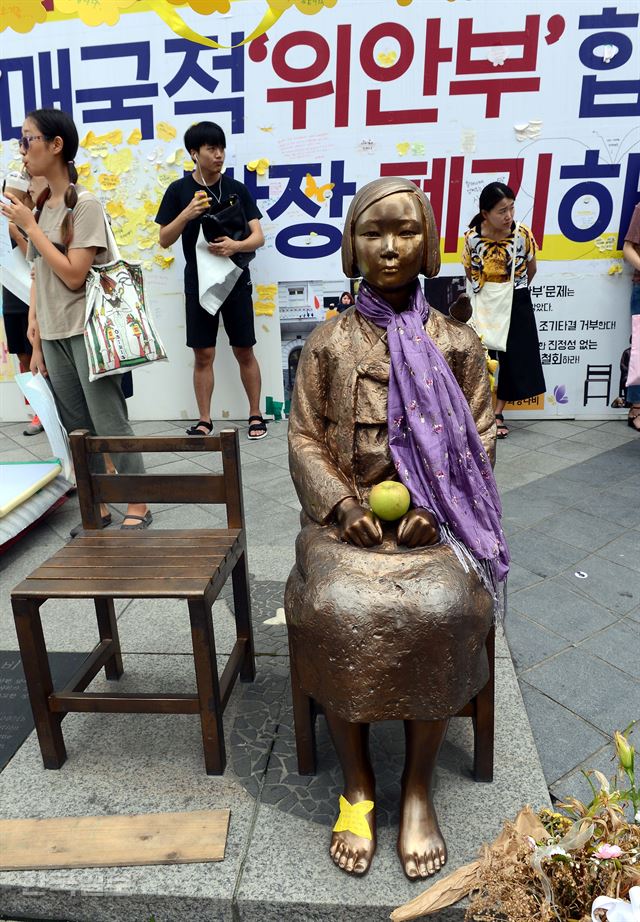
(93, 488)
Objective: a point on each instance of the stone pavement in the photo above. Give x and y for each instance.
(571, 494)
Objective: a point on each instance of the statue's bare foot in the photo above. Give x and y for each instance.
(421, 848)
(351, 852)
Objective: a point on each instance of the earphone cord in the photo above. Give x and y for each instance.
(217, 198)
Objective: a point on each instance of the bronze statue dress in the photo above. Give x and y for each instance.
(383, 633)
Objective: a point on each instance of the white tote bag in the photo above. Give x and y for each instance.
(119, 333)
(492, 308)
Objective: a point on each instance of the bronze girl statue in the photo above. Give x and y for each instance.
(390, 622)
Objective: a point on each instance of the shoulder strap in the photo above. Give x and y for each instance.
(513, 253)
(112, 246)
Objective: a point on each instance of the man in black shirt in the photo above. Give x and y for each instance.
(183, 205)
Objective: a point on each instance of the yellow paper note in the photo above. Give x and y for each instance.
(264, 308)
(403, 148)
(387, 58)
(115, 209)
(353, 818)
(267, 292)
(313, 190)
(135, 137)
(119, 161)
(125, 233)
(99, 140)
(108, 181)
(165, 131)
(163, 261)
(258, 166)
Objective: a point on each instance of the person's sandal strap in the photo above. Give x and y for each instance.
(196, 430)
(143, 521)
(259, 426)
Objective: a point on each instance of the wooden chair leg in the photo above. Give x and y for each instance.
(483, 720)
(108, 630)
(204, 655)
(242, 610)
(304, 723)
(35, 663)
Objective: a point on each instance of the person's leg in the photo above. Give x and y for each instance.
(202, 334)
(107, 410)
(69, 394)
(203, 381)
(250, 377)
(350, 851)
(237, 315)
(421, 848)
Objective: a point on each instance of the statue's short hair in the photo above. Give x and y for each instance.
(373, 192)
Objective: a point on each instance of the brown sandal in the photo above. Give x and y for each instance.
(632, 417)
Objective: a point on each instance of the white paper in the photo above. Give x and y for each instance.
(16, 275)
(39, 394)
(216, 276)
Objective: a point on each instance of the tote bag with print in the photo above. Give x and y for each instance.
(118, 331)
(491, 316)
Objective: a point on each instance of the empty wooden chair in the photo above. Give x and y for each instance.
(103, 565)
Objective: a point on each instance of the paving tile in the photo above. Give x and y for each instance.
(541, 554)
(580, 529)
(618, 645)
(624, 551)
(575, 784)
(553, 604)
(505, 450)
(544, 463)
(618, 427)
(618, 588)
(598, 437)
(601, 694)
(528, 439)
(528, 641)
(513, 480)
(519, 510)
(264, 448)
(558, 428)
(574, 450)
(634, 615)
(612, 508)
(555, 488)
(22, 454)
(562, 738)
(520, 578)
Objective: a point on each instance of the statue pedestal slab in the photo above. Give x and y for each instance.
(276, 867)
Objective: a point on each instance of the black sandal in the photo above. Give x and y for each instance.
(196, 430)
(258, 426)
(502, 431)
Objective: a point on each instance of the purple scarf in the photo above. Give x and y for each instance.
(434, 442)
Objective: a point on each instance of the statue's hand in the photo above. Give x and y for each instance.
(358, 525)
(418, 528)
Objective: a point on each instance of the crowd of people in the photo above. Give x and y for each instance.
(60, 227)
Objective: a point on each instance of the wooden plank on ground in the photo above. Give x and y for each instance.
(113, 841)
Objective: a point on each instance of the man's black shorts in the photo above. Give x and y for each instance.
(237, 316)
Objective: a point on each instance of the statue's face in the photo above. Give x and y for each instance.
(389, 241)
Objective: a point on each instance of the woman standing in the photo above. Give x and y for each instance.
(67, 235)
(489, 246)
(346, 300)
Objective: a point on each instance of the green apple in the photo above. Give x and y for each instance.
(390, 500)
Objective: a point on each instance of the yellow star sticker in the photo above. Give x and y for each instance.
(352, 818)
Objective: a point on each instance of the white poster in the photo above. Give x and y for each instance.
(452, 95)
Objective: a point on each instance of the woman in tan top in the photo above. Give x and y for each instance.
(390, 623)
(67, 235)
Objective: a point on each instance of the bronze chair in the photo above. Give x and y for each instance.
(189, 564)
(480, 709)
